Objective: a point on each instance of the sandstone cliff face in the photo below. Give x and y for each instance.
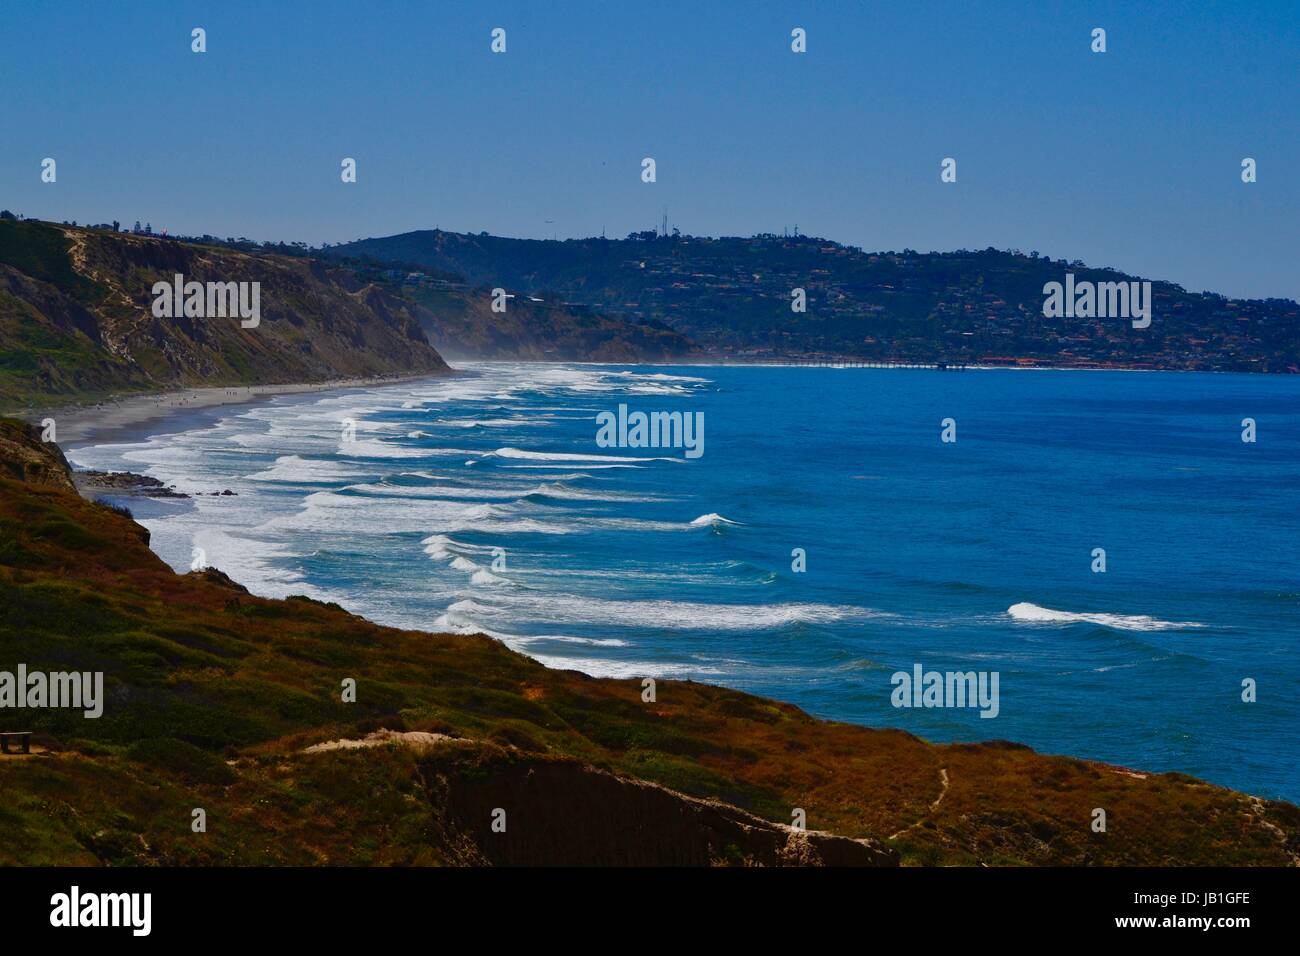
(51, 345)
(76, 318)
(24, 457)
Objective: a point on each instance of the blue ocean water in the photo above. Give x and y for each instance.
(484, 503)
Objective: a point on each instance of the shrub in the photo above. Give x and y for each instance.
(187, 760)
(122, 510)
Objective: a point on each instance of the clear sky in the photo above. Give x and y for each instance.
(1131, 158)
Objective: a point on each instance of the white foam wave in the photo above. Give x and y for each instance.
(561, 456)
(375, 448)
(436, 546)
(442, 542)
(668, 615)
(295, 469)
(585, 466)
(1033, 613)
(712, 519)
(622, 670)
(253, 562)
(488, 422)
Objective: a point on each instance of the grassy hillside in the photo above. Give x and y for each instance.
(732, 296)
(214, 697)
(76, 320)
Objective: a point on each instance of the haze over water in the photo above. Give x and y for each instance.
(967, 556)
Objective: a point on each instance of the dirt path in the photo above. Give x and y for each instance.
(943, 792)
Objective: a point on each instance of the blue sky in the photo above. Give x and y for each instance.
(1129, 158)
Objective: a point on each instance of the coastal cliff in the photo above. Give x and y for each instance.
(76, 319)
(460, 751)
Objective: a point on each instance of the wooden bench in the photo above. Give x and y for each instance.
(24, 740)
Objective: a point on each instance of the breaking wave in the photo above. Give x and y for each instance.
(1033, 614)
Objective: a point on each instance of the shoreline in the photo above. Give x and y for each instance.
(185, 417)
(136, 416)
(100, 422)
(112, 417)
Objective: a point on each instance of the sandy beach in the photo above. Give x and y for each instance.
(102, 421)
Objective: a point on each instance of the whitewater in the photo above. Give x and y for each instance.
(481, 503)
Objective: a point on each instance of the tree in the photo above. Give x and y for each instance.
(6, 214)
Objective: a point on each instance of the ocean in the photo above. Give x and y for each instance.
(824, 538)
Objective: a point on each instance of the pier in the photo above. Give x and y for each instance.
(858, 363)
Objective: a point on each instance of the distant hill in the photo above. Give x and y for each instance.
(733, 297)
(76, 318)
(460, 323)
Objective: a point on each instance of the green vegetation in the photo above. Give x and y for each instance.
(43, 252)
(76, 322)
(213, 695)
(732, 296)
